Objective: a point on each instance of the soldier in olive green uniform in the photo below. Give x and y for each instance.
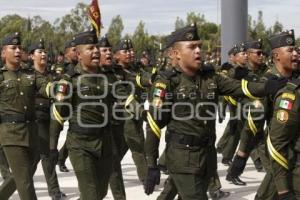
(170, 191)
(39, 58)
(18, 128)
(133, 128)
(4, 167)
(190, 153)
(69, 65)
(235, 124)
(284, 139)
(89, 135)
(225, 101)
(119, 144)
(250, 133)
(283, 55)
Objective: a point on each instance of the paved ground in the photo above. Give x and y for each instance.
(134, 189)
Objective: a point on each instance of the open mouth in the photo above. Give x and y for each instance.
(96, 58)
(295, 61)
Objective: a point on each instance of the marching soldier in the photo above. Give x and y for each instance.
(248, 139)
(190, 152)
(89, 135)
(18, 136)
(133, 128)
(284, 58)
(120, 148)
(284, 140)
(235, 124)
(69, 65)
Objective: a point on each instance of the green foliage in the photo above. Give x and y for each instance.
(115, 30)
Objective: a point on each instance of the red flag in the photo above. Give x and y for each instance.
(95, 16)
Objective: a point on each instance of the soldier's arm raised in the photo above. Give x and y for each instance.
(253, 90)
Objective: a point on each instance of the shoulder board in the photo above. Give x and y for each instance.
(169, 73)
(293, 84)
(207, 68)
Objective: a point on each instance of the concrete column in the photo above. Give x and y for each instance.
(234, 22)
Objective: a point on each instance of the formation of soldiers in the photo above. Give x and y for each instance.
(106, 96)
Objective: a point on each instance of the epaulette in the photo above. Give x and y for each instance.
(207, 68)
(293, 84)
(168, 74)
(226, 66)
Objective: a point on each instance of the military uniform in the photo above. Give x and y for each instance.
(119, 145)
(250, 133)
(133, 127)
(283, 139)
(190, 152)
(89, 140)
(267, 188)
(18, 128)
(224, 102)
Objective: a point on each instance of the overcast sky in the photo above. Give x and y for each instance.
(159, 15)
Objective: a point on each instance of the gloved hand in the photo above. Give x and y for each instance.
(274, 84)
(53, 156)
(287, 196)
(152, 179)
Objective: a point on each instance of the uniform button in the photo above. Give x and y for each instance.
(85, 95)
(205, 122)
(98, 87)
(25, 107)
(27, 121)
(41, 104)
(18, 79)
(21, 93)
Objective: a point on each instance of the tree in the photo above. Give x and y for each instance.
(179, 23)
(115, 30)
(75, 22)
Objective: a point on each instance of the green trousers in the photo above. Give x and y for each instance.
(21, 161)
(267, 188)
(4, 167)
(134, 136)
(91, 158)
(63, 154)
(224, 138)
(120, 147)
(48, 167)
(191, 186)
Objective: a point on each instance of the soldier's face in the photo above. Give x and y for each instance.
(145, 61)
(255, 56)
(241, 58)
(232, 58)
(132, 55)
(287, 57)
(123, 57)
(106, 56)
(89, 55)
(188, 54)
(71, 54)
(39, 58)
(12, 55)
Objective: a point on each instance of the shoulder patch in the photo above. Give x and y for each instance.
(282, 116)
(288, 96)
(160, 85)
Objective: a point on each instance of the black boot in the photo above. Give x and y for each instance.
(219, 194)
